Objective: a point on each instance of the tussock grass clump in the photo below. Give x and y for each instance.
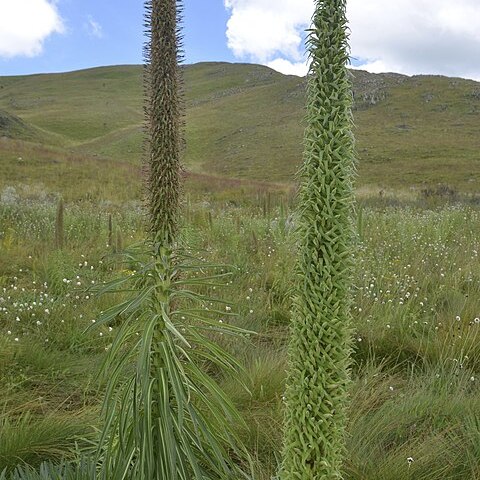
(83, 469)
(30, 440)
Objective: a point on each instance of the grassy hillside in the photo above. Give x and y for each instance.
(243, 121)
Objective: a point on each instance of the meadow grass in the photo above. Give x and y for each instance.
(415, 391)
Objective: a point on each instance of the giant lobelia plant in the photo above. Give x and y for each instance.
(165, 417)
(320, 342)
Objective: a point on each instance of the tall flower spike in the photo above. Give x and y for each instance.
(320, 343)
(167, 419)
(163, 112)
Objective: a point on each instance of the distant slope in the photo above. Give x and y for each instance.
(78, 106)
(245, 121)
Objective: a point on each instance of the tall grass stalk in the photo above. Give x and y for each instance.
(59, 225)
(110, 231)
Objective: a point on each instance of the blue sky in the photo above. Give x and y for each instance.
(404, 36)
(118, 38)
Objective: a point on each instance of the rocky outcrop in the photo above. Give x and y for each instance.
(12, 126)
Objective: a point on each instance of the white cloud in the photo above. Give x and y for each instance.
(418, 36)
(25, 24)
(300, 69)
(377, 66)
(405, 36)
(263, 30)
(94, 29)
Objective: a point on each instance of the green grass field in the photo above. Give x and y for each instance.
(416, 314)
(415, 395)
